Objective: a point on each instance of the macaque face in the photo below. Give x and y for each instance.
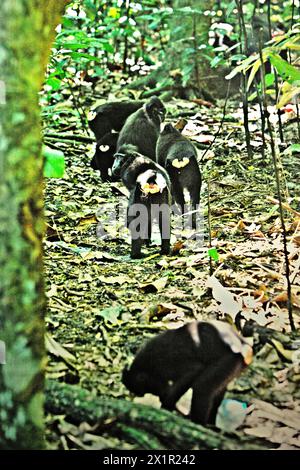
(156, 110)
(119, 160)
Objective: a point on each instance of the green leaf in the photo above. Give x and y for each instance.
(218, 60)
(242, 67)
(269, 79)
(213, 253)
(287, 71)
(54, 83)
(54, 166)
(230, 8)
(294, 148)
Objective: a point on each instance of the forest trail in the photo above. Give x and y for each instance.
(103, 305)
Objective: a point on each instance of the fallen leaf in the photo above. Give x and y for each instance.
(87, 221)
(58, 350)
(154, 286)
(110, 314)
(115, 280)
(177, 247)
(229, 303)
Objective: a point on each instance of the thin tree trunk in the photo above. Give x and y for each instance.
(27, 28)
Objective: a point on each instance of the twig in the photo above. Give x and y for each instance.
(285, 205)
(221, 123)
(275, 77)
(69, 136)
(278, 187)
(243, 32)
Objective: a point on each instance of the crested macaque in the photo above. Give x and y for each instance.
(204, 356)
(149, 187)
(111, 116)
(142, 127)
(103, 158)
(179, 157)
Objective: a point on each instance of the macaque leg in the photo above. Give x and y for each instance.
(164, 220)
(209, 385)
(195, 199)
(214, 409)
(104, 174)
(136, 247)
(178, 196)
(179, 388)
(149, 233)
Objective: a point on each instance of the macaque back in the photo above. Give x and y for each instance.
(142, 128)
(112, 116)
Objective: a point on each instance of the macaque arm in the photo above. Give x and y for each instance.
(180, 387)
(210, 386)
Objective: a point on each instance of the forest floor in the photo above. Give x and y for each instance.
(102, 305)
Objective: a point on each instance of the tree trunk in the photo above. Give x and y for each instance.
(27, 29)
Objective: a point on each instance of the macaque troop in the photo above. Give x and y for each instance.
(159, 168)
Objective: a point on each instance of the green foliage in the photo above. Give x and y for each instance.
(96, 35)
(281, 18)
(289, 73)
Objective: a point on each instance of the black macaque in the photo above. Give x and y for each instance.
(142, 127)
(149, 199)
(112, 116)
(103, 158)
(204, 356)
(179, 156)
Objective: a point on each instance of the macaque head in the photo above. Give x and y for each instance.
(169, 129)
(155, 110)
(121, 157)
(136, 381)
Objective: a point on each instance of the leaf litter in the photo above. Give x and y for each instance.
(102, 305)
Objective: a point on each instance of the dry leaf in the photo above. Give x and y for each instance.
(58, 350)
(154, 286)
(229, 303)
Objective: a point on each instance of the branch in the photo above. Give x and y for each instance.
(148, 427)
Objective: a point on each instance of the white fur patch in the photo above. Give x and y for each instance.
(91, 115)
(193, 330)
(142, 179)
(180, 163)
(236, 343)
(160, 181)
(104, 148)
